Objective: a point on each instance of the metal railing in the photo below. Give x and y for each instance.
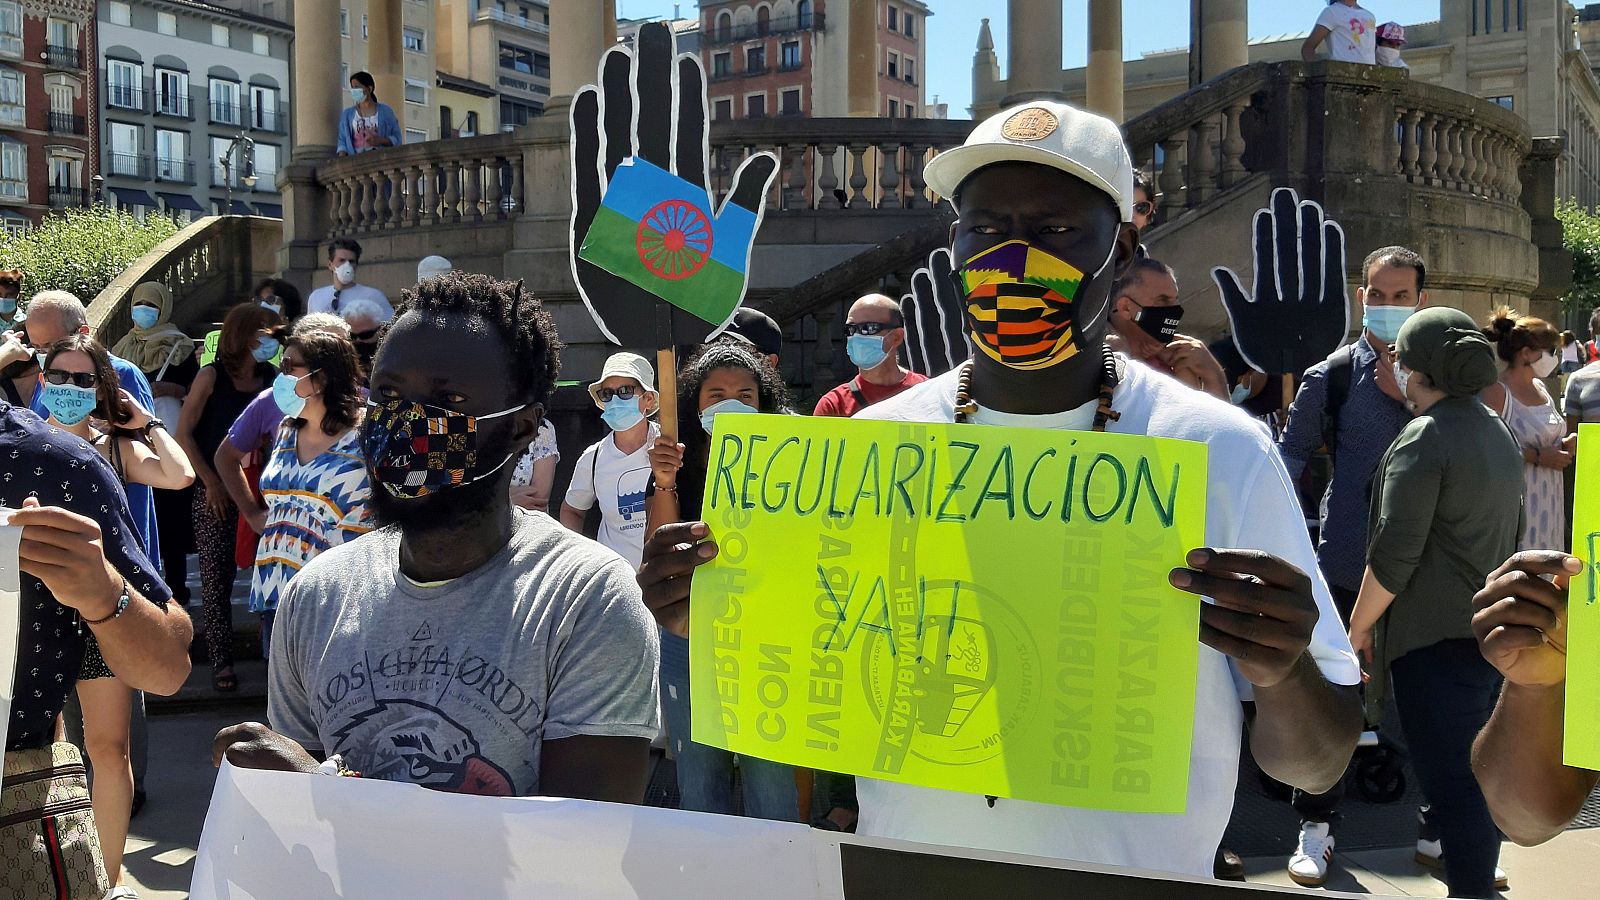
(172, 104)
(271, 121)
(67, 123)
(179, 171)
(225, 113)
(130, 165)
(57, 56)
(64, 197)
(499, 15)
(125, 96)
(786, 25)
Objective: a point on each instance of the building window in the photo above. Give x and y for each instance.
(11, 28)
(802, 14)
(894, 17)
(121, 13)
(790, 100)
(524, 60)
(13, 88)
(219, 177)
(910, 25)
(266, 167)
(415, 136)
(124, 149)
(755, 59)
(472, 124)
(60, 100)
(166, 23)
(125, 84)
(724, 25)
(66, 173)
(515, 113)
(894, 108)
(172, 93)
(413, 39)
(363, 26)
(894, 64)
(263, 108)
(416, 91)
(755, 106)
(763, 21)
(1508, 102)
(172, 155)
(344, 22)
(910, 67)
(225, 102)
(722, 110)
(220, 36)
(13, 169)
(791, 55)
(721, 65)
(260, 45)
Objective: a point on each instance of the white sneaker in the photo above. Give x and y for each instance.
(122, 892)
(1308, 867)
(1430, 855)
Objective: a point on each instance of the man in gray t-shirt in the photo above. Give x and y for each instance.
(1583, 396)
(456, 686)
(468, 645)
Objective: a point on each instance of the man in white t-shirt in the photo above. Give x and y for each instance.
(615, 471)
(344, 255)
(1349, 31)
(1057, 183)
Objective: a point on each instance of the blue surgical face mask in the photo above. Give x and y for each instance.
(8, 306)
(710, 413)
(145, 316)
(622, 413)
(358, 94)
(865, 350)
(68, 403)
(1384, 321)
(274, 308)
(1240, 394)
(283, 394)
(266, 350)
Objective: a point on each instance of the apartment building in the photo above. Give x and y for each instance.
(504, 44)
(48, 129)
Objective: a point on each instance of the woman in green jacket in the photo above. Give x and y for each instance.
(1447, 508)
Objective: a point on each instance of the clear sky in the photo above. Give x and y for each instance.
(1147, 25)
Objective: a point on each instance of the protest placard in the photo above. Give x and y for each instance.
(10, 614)
(1582, 727)
(981, 609)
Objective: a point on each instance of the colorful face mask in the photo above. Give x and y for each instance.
(68, 404)
(414, 449)
(1020, 303)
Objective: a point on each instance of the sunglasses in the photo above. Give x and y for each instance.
(59, 377)
(1144, 207)
(626, 392)
(868, 328)
(367, 335)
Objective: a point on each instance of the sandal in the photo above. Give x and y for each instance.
(224, 683)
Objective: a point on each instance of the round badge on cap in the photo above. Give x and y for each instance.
(1031, 124)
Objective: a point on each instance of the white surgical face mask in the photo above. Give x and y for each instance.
(1402, 378)
(1544, 365)
(345, 273)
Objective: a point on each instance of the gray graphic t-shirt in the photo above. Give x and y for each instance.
(457, 686)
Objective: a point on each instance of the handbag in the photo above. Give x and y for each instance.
(48, 843)
(167, 409)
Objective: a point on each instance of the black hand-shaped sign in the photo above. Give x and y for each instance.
(648, 244)
(1299, 312)
(936, 332)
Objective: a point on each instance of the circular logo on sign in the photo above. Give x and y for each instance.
(674, 240)
(1031, 124)
(950, 686)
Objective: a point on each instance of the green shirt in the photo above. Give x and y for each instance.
(1446, 511)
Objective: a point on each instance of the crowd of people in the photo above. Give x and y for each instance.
(385, 473)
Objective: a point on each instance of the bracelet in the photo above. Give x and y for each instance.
(122, 606)
(152, 425)
(335, 765)
(666, 490)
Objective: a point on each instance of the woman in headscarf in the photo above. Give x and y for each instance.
(166, 356)
(1446, 508)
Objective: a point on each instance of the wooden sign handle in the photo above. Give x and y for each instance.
(667, 390)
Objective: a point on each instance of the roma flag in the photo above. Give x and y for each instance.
(656, 231)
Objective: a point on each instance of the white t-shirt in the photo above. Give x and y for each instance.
(617, 481)
(1250, 504)
(1355, 33)
(321, 300)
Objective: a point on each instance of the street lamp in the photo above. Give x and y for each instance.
(247, 164)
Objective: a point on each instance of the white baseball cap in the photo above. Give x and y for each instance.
(1051, 134)
(627, 365)
(431, 267)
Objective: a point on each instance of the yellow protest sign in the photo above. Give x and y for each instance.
(966, 607)
(1582, 727)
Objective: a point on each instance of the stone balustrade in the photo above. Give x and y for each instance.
(468, 181)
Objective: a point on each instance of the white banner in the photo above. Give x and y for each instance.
(10, 615)
(272, 835)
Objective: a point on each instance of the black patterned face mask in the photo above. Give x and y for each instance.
(415, 450)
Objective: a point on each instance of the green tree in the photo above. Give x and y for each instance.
(81, 250)
(1582, 227)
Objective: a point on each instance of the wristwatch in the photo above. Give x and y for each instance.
(122, 606)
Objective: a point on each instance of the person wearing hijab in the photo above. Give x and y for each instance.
(1446, 509)
(167, 357)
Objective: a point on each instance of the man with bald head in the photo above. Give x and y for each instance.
(874, 332)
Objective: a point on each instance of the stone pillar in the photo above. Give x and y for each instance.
(318, 96)
(1224, 36)
(577, 38)
(985, 75)
(1033, 50)
(608, 12)
(385, 51)
(1104, 75)
(863, 52)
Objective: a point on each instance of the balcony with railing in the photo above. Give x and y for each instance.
(67, 123)
(128, 165)
(271, 121)
(177, 171)
(492, 14)
(125, 96)
(58, 56)
(62, 197)
(174, 104)
(224, 112)
(785, 25)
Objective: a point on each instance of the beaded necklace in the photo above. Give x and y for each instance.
(1103, 414)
